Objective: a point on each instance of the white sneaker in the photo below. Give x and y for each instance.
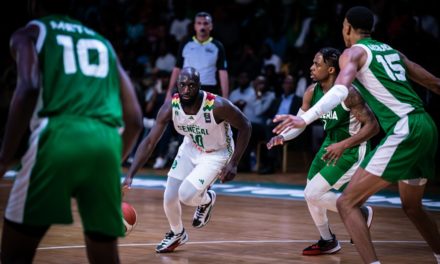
(203, 212)
(171, 241)
(159, 163)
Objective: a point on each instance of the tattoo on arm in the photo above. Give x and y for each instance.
(358, 107)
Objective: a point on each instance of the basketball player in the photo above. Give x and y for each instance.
(406, 154)
(206, 153)
(74, 95)
(348, 127)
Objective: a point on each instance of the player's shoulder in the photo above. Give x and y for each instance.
(217, 43)
(217, 101)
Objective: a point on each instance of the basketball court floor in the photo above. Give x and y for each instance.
(256, 219)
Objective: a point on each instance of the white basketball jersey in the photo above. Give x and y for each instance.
(200, 129)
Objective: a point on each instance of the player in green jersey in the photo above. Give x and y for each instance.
(76, 98)
(407, 152)
(348, 127)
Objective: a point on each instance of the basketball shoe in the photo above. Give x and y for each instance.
(203, 212)
(171, 241)
(367, 213)
(323, 247)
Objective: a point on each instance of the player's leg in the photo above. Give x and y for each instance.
(319, 199)
(317, 192)
(177, 236)
(182, 166)
(362, 185)
(411, 194)
(97, 188)
(19, 242)
(171, 204)
(101, 248)
(195, 189)
(37, 199)
(419, 156)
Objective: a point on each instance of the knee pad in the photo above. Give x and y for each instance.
(188, 193)
(312, 196)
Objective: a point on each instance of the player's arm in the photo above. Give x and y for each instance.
(22, 47)
(221, 65)
(420, 75)
(369, 128)
(294, 132)
(224, 82)
(226, 111)
(350, 62)
(176, 70)
(132, 114)
(173, 80)
(148, 144)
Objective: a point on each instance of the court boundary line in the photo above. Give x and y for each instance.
(235, 242)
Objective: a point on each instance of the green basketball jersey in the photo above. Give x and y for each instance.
(383, 84)
(79, 72)
(339, 124)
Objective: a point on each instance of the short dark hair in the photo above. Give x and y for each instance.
(331, 57)
(56, 6)
(203, 14)
(360, 17)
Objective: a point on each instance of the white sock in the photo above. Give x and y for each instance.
(376, 262)
(437, 257)
(319, 216)
(171, 205)
(325, 232)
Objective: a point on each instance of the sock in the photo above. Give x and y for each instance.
(171, 205)
(376, 262)
(437, 257)
(325, 232)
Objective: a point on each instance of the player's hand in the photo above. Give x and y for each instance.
(275, 141)
(126, 184)
(228, 173)
(287, 122)
(334, 152)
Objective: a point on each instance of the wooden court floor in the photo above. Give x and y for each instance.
(242, 230)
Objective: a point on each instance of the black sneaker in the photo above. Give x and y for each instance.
(323, 247)
(203, 212)
(171, 241)
(368, 213)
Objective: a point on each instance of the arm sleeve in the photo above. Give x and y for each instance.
(330, 100)
(294, 132)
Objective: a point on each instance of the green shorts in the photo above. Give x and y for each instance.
(340, 174)
(70, 157)
(407, 151)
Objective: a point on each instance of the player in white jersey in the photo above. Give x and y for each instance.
(407, 152)
(206, 153)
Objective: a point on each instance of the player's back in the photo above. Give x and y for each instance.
(79, 72)
(384, 85)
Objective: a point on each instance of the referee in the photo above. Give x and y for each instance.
(206, 55)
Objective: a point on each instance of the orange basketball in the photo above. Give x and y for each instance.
(129, 217)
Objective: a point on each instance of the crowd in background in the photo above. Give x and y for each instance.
(276, 40)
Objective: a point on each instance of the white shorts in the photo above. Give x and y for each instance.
(198, 167)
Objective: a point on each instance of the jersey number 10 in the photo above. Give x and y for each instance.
(82, 50)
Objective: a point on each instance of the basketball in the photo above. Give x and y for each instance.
(129, 217)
